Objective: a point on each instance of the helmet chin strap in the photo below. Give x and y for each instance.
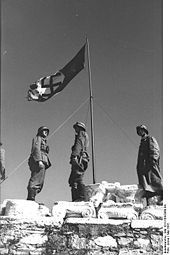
(43, 134)
(144, 135)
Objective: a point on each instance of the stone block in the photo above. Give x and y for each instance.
(142, 243)
(105, 241)
(34, 239)
(21, 208)
(57, 242)
(92, 245)
(135, 252)
(117, 210)
(99, 193)
(75, 242)
(124, 241)
(99, 252)
(152, 212)
(145, 224)
(4, 251)
(44, 210)
(73, 209)
(90, 190)
(95, 221)
(156, 241)
(123, 193)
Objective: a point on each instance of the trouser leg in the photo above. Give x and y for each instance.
(78, 192)
(74, 193)
(36, 182)
(81, 191)
(31, 194)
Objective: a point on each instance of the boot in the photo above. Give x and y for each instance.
(160, 199)
(80, 192)
(31, 194)
(74, 192)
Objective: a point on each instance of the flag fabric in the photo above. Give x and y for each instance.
(46, 87)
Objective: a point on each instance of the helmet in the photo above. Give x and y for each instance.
(42, 128)
(80, 124)
(142, 127)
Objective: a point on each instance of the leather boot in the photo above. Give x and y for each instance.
(160, 198)
(31, 194)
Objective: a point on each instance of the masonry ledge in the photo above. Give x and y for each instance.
(96, 221)
(147, 224)
(40, 220)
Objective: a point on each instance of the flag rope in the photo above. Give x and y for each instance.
(56, 130)
(71, 115)
(114, 122)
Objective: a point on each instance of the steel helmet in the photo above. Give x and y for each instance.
(80, 124)
(42, 128)
(142, 127)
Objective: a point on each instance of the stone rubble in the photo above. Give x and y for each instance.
(98, 226)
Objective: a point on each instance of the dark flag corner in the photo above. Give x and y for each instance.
(46, 87)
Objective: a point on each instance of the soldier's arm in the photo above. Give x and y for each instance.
(77, 148)
(154, 152)
(36, 152)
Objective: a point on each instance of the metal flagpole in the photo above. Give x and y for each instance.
(91, 110)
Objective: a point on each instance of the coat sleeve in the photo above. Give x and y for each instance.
(77, 147)
(154, 152)
(2, 157)
(36, 151)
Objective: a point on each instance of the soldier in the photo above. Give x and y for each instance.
(148, 169)
(79, 162)
(2, 163)
(38, 162)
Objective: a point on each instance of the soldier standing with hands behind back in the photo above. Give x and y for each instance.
(38, 162)
(79, 162)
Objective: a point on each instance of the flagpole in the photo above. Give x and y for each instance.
(91, 111)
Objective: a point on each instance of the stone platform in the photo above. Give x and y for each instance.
(38, 234)
(80, 236)
(112, 221)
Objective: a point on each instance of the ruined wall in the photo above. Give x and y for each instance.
(97, 226)
(80, 236)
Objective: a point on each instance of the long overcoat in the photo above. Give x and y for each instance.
(148, 168)
(78, 160)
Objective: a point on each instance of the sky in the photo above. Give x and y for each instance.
(126, 49)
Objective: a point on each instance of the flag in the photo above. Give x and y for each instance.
(47, 86)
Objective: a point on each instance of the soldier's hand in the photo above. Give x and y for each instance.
(74, 161)
(40, 164)
(47, 149)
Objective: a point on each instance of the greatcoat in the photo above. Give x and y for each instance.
(148, 168)
(79, 163)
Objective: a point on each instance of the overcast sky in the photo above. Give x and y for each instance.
(40, 37)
